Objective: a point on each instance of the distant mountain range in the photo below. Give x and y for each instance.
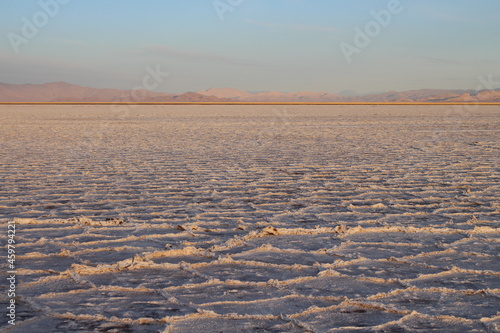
(65, 92)
(422, 96)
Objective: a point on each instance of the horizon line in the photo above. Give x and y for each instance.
(249, 103)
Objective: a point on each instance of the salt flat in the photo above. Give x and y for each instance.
(253, 218)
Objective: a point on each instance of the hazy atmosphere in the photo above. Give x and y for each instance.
(252, 45)
(236, 166)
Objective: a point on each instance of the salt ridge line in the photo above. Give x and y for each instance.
(336, 266)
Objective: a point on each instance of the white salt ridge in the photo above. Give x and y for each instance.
(172, 220)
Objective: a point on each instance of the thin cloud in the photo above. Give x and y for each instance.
(41, 69)
(69, 41)
(164, 51)
(433, 12)
(466, 62)
(298, 27)
(440, 61)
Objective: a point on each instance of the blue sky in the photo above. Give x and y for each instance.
(281, 45)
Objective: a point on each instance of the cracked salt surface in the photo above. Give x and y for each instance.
(227, 219)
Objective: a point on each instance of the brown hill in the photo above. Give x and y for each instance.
(65, 92)
(489, 96)
(229, 93)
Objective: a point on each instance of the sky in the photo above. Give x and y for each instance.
(334, 46)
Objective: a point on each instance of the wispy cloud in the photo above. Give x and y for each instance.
(194, 56)
(297, 27)
(440, 61)
(42, 69)
(69, 41)
(462, 62)
(441, 14)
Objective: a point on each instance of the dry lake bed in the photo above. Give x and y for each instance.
(251, 218)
